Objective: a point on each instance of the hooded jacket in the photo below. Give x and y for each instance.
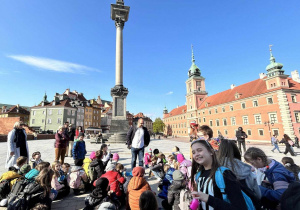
(99, 167)
(147, 158)
(98, 195)
(239, 135)
(280, 178)
(86, 163)
(10, 175)
(115, 179)
(242, 171)
(79, 150)
(136, 187)
(61, 140)
(166, 183)
(32, 174)
(174, 193)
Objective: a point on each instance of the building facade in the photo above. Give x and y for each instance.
(148, 123)
(15, 111)
(263, 107)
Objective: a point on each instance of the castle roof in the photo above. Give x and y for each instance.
(177, 111)
(246, 90)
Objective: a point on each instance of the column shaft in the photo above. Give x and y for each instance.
(119, 55)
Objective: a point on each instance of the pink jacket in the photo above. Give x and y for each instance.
(186, 167)
(55, 184)
(147, 158)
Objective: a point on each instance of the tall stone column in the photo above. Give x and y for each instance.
(119, 124)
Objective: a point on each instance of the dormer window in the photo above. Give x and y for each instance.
(53, 103)
(237, 95)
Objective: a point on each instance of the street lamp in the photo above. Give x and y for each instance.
(268, 123)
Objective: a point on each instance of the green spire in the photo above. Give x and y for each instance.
(274, 68)
(194, 70)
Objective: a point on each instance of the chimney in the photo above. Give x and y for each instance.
(4, 109)
(262, 75)
(295, 76)
(232, 86)
(18, 105)
(67, 91)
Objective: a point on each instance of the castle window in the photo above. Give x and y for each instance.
(210, 123)
(243, 105)
(231, 108)
(245, 120)
(273, 117)
(226, 132)
(261, 132)
(217, 122)
(204, 119)
(270, 100)
(297, 117)
(249, 132)
(223, 109)
(255, 103)
(233, 121)
(294, 99)
(209, 111)
(224, 122)
(257, 119)
(216, 110)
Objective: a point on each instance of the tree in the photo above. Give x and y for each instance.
(158, 125)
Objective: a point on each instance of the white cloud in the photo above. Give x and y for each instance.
(3, 73)
(52, 65)
(169, 93)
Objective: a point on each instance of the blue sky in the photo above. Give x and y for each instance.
(53, 45)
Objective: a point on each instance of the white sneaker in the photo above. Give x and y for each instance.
(3, 202)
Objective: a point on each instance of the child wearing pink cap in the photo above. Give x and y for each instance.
(87, 161)
(112, 161)
(147, 158)
(185, 165)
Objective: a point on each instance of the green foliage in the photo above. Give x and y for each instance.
(158, 125)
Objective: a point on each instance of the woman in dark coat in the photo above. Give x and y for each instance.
(288, 147)
(60, 145)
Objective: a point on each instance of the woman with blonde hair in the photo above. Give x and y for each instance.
(16, 144)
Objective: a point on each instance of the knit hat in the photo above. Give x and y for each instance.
(116, 156)
(177, 175)
(149, 150)
(107, 206)
(102, 183)
(24, 169)
(80, 134)
(110, 167)
(138, 171)
(180, 158)
(93, 156)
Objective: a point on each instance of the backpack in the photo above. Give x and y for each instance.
(185, 199)
(17, 188)
(290, 199)
(74, 180)
(221, 185)
(29, 196)
(92, 173)
(4, 188)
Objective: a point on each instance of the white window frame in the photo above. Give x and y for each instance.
(225, 120)
(32, 121)
(243, 103)
(294, 98)
(59, 121)
(262, 132)
(69, 112)
(245, 117)
(49, 121)
(256, 117)
(217, 122)
(68, 120)
(297, 117)
(226, 132)
(204, 120)
(270, 119)
(248, 132)
(73, 112)
(210, 123)
(275, 129)
(49, 111)
(59, 112)
(268, 100)
(233, 121)
(231, 108)
(255, 104)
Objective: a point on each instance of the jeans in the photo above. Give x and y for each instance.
(134, 153)
(240, 143)
(275, 147)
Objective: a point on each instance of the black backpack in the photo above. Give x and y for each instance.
(17, 188)
(4, 188)
(290, 199)
(26, 199)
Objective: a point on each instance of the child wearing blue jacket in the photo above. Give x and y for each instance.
(277, 175)
(167, 181)
(79, 150)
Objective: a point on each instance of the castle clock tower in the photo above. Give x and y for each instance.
(195, 90)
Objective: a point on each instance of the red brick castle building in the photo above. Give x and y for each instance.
(263, 107)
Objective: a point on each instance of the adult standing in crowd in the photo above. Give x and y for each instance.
(241, 139)
(60, 144)
(275, 141)
(78, 131)
(16, 144)
(66, 133)
(137, 139)
(71, 134)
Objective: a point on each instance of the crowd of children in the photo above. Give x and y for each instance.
(216, 178)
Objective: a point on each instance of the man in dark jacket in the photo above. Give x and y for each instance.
(138, 138)
(241, 139)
